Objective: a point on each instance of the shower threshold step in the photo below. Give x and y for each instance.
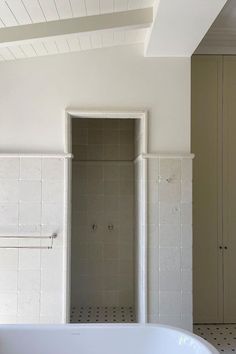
(102, 314)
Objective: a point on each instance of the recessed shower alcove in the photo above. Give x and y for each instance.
(108, 280)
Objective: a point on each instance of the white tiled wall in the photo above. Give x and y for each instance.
(170, 241)
(32, 204)
(139, 234)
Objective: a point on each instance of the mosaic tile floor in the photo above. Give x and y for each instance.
(101, 314)
(221, 336)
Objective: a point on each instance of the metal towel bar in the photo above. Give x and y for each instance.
(50, 237)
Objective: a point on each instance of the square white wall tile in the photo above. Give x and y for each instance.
(29, 280)
(28, 303)
(30, 191)
(9, 190)
(29, 213)
(27, 319)
(52, 213)
(9, 168)
(8, 280)
(186, 303)
(4, 319)
(29, 260)
(170, 280)
(186, 173)
(8, 214)
(54, 319)
(31, 169)
(53, 191)
(8, 303)
(52, 259)
(51, 280)
(170, 169)
(170, 235)
(186, 213)
(169, 191)
(186, 191)
(171, 320)
(153, 169)
(186, 235)
(8, 230)
(170, 303)
(29, 230)
(169, 258)
(186, 280)
(26, 273)
(8, 259)
(169, 213)
(53, 169)
(186, 258)
(173, 250)
(51, 304)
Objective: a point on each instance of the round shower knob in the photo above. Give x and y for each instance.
(94, 227)
(110, 227)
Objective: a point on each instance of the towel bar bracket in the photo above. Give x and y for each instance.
(19, 237)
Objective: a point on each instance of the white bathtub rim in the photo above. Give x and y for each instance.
(75, 326)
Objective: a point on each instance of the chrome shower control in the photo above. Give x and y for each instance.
(110, 227)
(94, 227)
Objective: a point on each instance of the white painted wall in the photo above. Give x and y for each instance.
(35, 92)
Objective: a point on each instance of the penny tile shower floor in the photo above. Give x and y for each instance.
(101, 314)
(221, 336)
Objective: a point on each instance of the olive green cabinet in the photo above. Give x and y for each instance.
(214, 188)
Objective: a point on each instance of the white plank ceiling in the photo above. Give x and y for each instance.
(73, 43)
(23, 12)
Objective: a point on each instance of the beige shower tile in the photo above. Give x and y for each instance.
(126, 137)
(112, 187)
(110, 251)
(126, 152)
(95, 136)
(126, 187)
(95, 203)
(79, 136)
(111, 152)
(111, 137)
(95, 251)
(126, 171)
(111, 171)
(111, 124)
(126, 124)
(111, 203)
(79, 123)
(95, 186)
(95, 123)
(95, 170)
(80, 152)
(125, 298)
(95, 152)
(126, 267)
(110, 298)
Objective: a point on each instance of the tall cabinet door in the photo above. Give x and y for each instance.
(229, 187)
(207, 189)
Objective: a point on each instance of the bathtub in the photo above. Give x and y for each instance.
(99, 339)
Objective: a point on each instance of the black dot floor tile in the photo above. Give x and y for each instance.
(99, 314)
(221, 336)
